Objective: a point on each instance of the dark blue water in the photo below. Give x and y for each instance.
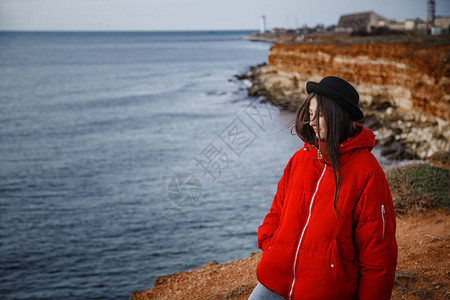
(93, 127)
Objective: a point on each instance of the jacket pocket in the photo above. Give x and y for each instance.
(340, 268)
(271, 241)
(270, 244)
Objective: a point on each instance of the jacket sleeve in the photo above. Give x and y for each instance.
(375, 239)
(272, 219)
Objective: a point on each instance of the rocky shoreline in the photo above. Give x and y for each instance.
(400, 134)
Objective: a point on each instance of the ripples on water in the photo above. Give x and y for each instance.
(93, 126)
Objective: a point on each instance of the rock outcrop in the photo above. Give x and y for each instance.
(404, 88)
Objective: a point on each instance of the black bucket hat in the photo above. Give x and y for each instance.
(339, 90)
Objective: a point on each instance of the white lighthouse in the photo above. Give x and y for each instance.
(262, 25)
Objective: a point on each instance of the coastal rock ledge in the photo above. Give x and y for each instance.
(232, 280)
(404, 88)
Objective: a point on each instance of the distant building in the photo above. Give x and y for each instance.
(406, 25)
(436, 30)
(410, 24)
(369, 21)
(277, 30)
(365, 21)
(421, 27)
(443, 22)
(397, 25)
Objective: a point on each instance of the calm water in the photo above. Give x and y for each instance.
(93, 127)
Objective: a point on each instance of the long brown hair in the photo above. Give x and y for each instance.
(339, 127)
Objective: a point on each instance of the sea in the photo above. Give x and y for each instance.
(129, 155)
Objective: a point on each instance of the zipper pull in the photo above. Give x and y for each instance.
(382, 209)
(319, 154)
(382, 216)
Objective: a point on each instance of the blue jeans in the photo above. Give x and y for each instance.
(262, 293)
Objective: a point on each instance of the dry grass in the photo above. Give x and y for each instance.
(418, 187)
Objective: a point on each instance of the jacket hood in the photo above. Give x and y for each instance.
(363, 139)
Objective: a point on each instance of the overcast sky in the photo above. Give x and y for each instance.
(195, 14)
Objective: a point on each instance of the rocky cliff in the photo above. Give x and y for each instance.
(404, 87)
(410, 77)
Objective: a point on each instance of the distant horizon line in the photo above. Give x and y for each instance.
(128, 30)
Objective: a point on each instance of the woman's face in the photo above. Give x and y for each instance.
(315, 120)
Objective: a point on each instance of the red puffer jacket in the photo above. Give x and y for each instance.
(309, 252)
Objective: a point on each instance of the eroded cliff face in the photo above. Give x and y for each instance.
(412, 77)
(404, 88)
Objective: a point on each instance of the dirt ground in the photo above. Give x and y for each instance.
(423, 267)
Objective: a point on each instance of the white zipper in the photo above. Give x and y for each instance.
(382, 216)
(303, 231)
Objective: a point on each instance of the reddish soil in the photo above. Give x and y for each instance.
(423, 267)
(422, 272)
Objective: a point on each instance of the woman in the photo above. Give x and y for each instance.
(330, 232)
